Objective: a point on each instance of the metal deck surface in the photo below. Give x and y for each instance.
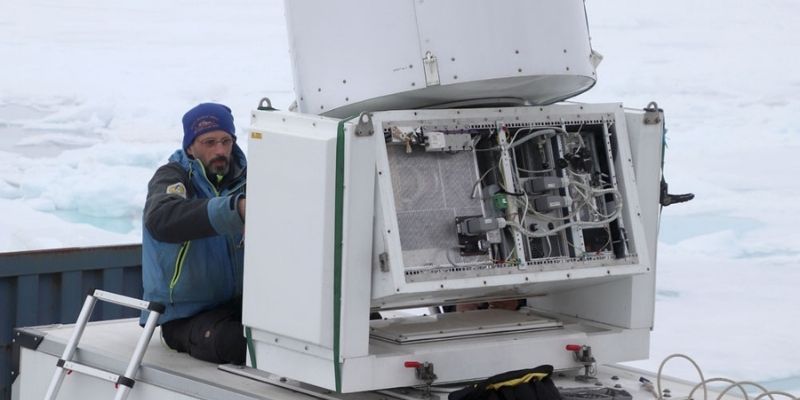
(108, 345)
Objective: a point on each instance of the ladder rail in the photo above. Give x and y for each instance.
(72, 345)
(124, 383)
(121, 300)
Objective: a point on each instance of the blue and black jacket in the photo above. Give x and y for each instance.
(192, 249)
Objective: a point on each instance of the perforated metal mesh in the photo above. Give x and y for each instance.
(430, 191)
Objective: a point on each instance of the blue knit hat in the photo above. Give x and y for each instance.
(206, 117)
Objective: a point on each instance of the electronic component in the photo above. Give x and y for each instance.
(549, 203)
(500, 201)
(543, 183)
(440, 141)
(479, 225)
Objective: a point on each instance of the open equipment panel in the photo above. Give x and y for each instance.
(435, 208)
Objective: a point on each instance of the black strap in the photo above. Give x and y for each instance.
(125, 381)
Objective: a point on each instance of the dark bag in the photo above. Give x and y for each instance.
(523, 384)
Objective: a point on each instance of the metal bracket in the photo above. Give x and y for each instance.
(265, 105)
(653, 114)
(26, 338)
(431, 69)
(364, 126)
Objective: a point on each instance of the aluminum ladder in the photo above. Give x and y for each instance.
(124, 383)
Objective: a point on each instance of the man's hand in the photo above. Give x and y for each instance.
(241, 207)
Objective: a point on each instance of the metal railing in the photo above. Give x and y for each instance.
(49, 286)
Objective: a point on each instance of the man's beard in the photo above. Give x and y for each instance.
(219, 168)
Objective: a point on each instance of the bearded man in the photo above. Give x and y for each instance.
(192, 253)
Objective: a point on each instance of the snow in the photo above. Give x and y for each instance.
(92, 93)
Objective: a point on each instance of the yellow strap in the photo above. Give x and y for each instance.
(514, 382)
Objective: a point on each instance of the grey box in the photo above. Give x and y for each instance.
(549, 203)
(543, 183)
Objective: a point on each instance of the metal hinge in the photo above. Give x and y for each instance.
(653, 114)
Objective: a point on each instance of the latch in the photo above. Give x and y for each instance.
(583, 355)
(424, 372)
(431, 69)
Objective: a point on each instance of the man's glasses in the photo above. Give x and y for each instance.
(211, 143)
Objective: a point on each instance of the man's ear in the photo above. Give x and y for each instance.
(189, 151)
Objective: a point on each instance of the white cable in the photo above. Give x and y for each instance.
(704, 382)
(582, 224)
(770, 393)
(535, 171)
(480, 179)
(739, 384)
(699, 371)
(551, 130)
(549, 247)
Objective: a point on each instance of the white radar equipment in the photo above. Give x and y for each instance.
(427, 166)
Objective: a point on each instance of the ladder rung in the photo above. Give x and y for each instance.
(85, 369)
(125, 301)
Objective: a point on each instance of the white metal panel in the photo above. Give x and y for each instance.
(344, 52)
(476, 40)
(357, 216)
(360, 55)
(37, 368)
(289, 233)
(459, 360)
(647, 144)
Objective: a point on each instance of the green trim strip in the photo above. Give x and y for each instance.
(250, 347)
(178, 267)
(337, 254)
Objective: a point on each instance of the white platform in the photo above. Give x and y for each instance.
(166, 374)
